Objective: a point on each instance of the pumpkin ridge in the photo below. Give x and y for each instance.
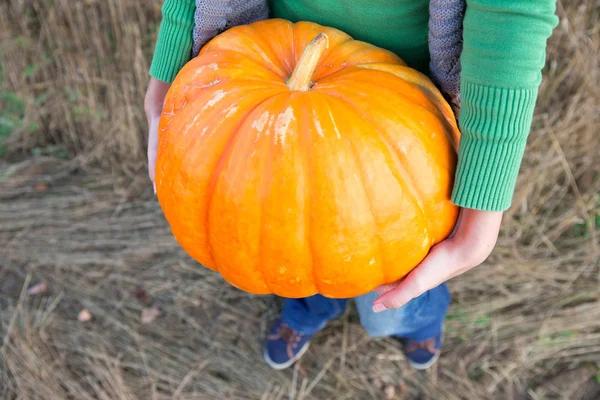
(324, 256)
(246, 57)
(218, 169)
(382, 56)
(167, 205)
(232, 58)
(275, 186)
(197, 137)
(435, 110)
(168, 117)
(259, 87)
(362, 179)
(290, 45)
(173, 118)
(309, 161)
(429, 89)
(322, 63)
(260, 264)
(410, 182)
(245, 33)
(404, 119)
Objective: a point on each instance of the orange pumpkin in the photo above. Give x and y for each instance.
(295, 160)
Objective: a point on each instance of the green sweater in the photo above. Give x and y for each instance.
(503, 53)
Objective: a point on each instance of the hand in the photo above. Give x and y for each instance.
(152, 148)
(153, 104)
(470, 245)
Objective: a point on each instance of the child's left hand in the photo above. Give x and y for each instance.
(470, 245)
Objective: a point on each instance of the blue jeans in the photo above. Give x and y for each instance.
(418, 320)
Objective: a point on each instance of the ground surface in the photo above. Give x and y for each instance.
(107, 249)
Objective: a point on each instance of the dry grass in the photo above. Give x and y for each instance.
(81, 69)
(525, 325)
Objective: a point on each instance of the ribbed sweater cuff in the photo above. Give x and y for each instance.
(495, 123)
(174, 44)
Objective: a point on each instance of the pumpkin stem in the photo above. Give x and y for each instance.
(302, 75)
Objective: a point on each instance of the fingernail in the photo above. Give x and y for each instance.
(379, 307)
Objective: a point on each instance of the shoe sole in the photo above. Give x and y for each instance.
(289, 363)
(428, 364)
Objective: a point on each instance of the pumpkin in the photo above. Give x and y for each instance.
(295, 160)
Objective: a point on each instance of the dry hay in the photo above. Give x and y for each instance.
(81, 70)
(514, 324)
(524, 325)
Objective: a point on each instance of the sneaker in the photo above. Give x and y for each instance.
(422, 355)
(285, 346)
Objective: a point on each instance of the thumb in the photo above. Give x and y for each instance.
(152, 150)
(430, 273)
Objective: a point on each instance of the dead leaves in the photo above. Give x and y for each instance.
(41, 187)
(40, 288)
(150, 312)
(149, 315)
(390, 392)
(84, 315)
(142, 296)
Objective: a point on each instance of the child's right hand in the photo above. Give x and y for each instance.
(153, 104)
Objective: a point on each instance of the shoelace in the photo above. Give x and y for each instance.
(428, 345)
(291, 337)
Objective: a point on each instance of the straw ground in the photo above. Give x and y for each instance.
(77, 216)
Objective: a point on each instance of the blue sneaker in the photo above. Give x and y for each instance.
(285, 346)
(422, 355)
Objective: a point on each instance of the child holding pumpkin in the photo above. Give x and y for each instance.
(486, 55)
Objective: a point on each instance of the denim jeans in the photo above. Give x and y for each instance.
(418, 320)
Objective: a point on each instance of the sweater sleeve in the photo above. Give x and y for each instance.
(503, 54)
(174, 43)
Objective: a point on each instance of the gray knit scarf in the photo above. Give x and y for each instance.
(445, 33)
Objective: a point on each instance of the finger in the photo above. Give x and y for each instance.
(151, 166)
(391, 286)
(435, 269)
(152, 150)
(387, 287)
(457, 225)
